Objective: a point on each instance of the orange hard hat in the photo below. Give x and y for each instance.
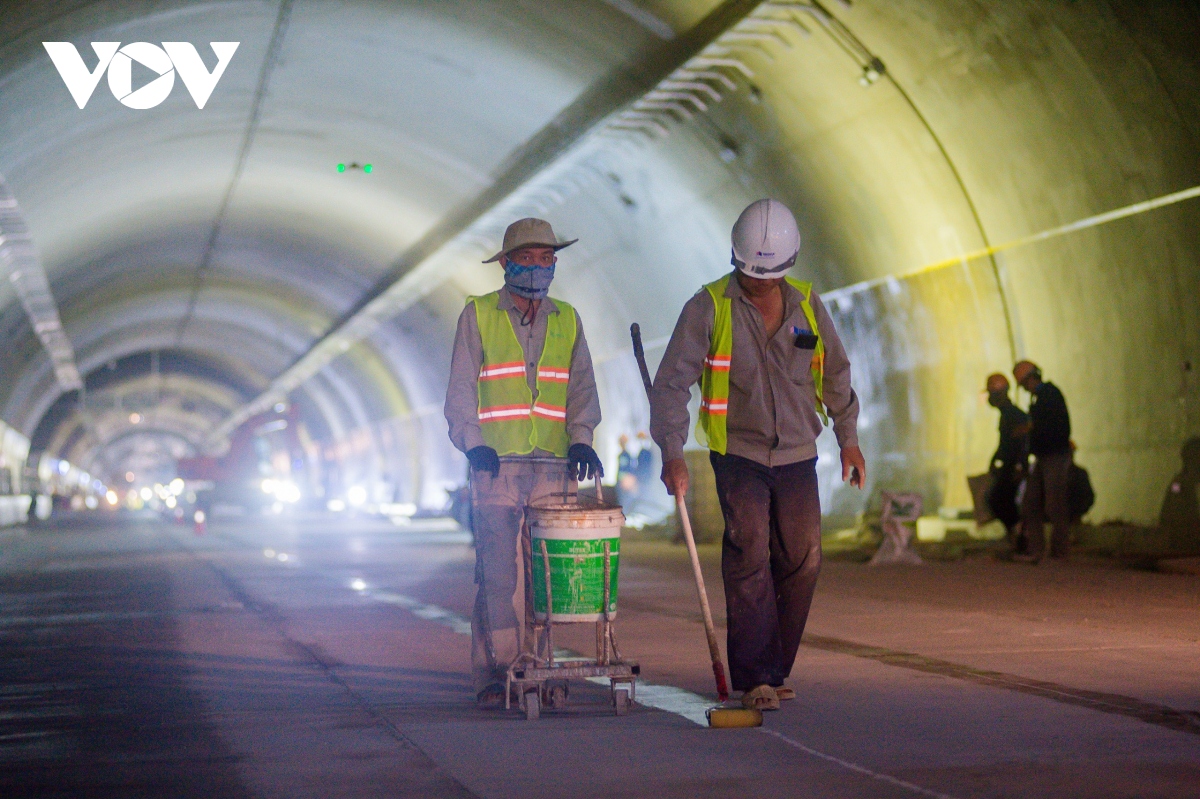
(997, 382)
(1024, 369)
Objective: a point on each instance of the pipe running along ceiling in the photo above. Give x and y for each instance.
(196, 257)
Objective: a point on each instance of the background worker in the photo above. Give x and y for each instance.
(769, 363)
(1180, 514)
(1047, 486)
(521, 388)
(1011, 460)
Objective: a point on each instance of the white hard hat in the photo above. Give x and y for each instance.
(765, 239)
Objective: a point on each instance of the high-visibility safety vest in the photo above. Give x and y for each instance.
(714, 382)
(511, 421)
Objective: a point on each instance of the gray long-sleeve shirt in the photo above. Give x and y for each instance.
(772, 417)
(462, 394)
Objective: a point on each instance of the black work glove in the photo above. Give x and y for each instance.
(584, 463)
(484, 459)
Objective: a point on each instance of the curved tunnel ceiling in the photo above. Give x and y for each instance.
(228, 236)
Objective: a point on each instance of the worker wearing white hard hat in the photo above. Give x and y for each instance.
(772, 371)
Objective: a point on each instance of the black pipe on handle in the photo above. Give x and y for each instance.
(636, 332)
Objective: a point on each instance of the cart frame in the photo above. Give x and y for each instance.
(530, 674)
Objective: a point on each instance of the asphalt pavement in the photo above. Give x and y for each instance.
(327, 656)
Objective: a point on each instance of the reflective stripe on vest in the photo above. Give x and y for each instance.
(511, 421)
(714, 381)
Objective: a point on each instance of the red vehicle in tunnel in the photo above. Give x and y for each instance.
(264, 467)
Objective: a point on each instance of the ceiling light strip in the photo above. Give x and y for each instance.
(20, 262)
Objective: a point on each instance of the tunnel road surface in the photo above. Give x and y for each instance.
(328, 657)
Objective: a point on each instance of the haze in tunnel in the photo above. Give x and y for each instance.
(194, 256)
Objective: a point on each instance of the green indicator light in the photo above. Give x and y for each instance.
(341, 167)
(366, 167)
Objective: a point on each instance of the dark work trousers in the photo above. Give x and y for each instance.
(1046, 497)
(770, 558)
(1002, 501)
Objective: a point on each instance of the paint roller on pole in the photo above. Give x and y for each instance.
(717, 716)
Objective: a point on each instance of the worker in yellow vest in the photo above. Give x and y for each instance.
(771, 370)
(522, 405)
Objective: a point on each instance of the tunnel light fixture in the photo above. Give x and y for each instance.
(706, 75)
(689, 97)
(683, 113)
(358, 584)
(756, 37)
(872, 72)
(20, 259)
(729, 150)
(135, 418)
(690, 86)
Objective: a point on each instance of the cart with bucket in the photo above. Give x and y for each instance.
(576, 550)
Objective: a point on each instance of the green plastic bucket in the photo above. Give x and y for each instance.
(575, 536)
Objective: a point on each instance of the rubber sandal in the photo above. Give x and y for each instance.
(784, 693)
(761, 698)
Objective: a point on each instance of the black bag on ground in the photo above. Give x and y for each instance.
(1080, 496)
(1002, 498)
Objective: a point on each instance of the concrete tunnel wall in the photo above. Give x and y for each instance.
(993, 121)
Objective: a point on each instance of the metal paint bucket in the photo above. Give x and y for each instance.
(575, 537)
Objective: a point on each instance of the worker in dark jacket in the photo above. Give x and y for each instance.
(1047, 487)
(1011, 460)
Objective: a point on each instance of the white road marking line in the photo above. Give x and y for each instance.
(662, 697)
(447, 618)
(671, 699)
(855, 767)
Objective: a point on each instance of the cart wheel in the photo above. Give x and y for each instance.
(621, 699)
(557, 696)
(533, 705)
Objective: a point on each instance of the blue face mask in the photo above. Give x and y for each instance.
(531, 282)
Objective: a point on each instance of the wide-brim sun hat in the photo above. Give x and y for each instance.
(529, 232)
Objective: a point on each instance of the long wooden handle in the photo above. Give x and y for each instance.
(714, 650)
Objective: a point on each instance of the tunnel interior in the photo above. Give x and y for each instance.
(207, 274)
